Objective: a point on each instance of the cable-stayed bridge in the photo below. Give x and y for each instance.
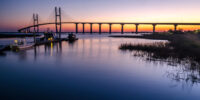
(58, 24)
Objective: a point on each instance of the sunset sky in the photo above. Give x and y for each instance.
(15, 14)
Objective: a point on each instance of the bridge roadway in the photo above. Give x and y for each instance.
(110, 25)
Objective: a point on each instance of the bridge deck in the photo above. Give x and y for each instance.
(136, 23)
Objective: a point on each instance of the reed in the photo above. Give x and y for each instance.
(180, 45)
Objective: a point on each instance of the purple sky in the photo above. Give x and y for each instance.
(15, 14)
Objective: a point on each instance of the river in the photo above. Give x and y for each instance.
(92, 68)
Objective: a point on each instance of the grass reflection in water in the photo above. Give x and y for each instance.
(186, 67)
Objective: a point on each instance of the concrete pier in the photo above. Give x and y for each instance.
(154, 28)
(91, 28)
(76, 27)
(122, 28)
(175, 27)
(100, 28)
(83, 27)
(110, 28)
(136, 28)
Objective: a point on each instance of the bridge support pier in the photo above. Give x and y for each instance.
(154, 28)
(122, 29)
(110, 28)
(29, 30)
(136, 28)
(100, 28)
(83, 28)
(76, 27)
(26, 30)
(175, 27)
(91, 28)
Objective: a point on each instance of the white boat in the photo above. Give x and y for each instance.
(21, 46)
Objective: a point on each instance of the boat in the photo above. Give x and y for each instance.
(3, 47)
(40, 38)
(48, 37)
(21, 46)
(71, 37)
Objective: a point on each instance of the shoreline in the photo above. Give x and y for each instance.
(16, 34)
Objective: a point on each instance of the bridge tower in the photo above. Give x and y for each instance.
(58, 22)
(35, 25)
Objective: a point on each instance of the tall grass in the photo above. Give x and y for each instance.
(180, 45)
(181, 49)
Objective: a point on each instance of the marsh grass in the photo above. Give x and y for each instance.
(180, 45)
(183, 49)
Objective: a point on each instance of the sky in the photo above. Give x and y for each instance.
(15, 14)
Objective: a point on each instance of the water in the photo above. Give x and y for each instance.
(92, 68)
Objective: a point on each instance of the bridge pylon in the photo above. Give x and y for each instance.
(58, 21)
(35, 25)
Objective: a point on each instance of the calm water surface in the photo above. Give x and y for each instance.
(92, 68)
